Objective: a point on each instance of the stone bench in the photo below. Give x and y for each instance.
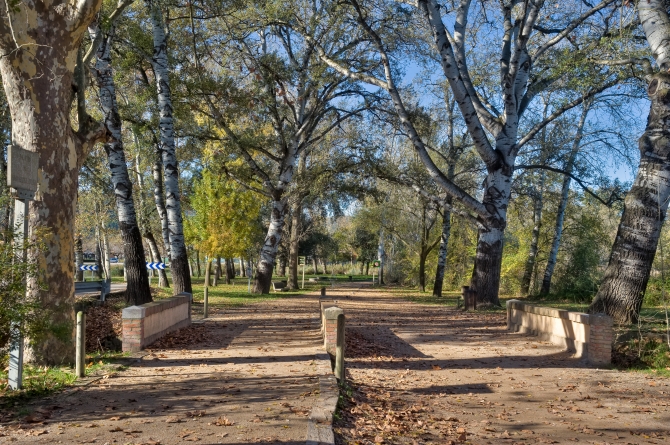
(589, 336)
(143, 325)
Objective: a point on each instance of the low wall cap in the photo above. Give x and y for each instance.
(333, 312)
(134, 312)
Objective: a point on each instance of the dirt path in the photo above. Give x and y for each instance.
(430, 374)
(244, 376)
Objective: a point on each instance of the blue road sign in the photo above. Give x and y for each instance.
(94, 267)
(113, 260)
(156, 266)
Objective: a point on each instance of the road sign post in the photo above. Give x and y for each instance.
(22, 178)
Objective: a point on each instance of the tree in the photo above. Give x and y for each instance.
(40, 48)
(517, 89)
(137, 289)
(621, 293)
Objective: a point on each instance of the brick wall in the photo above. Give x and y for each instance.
(589, 336)
(143, 325)
(330, 328)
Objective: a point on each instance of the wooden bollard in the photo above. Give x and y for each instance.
(80, 355)
(205, 305)
(339, 352)
(323, 291)
(471, 300)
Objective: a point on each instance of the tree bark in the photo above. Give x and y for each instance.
(137, 290)
(243, 270)
(268, 253)
(565, 193)
(230, 270)
(208, 271)
(621, 293)
(181, 277)
(538, 204)
(39, 47)
(442, 253)
(217, 271)
(294, 243)
(79, 259)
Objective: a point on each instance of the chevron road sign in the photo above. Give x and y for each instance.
(88, 267)
(156, 266)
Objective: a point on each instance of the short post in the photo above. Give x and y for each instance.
(351, 278)
(464, 294)
(80, 358)
(339, 352)
(205, 310)
(323, 291)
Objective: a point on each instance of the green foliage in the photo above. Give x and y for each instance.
(225, 221)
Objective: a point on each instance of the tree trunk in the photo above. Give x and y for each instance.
(381, 255)
(486, 274)
(137, 291)
(217, 271)
(79, 259)
(159, 199)
(625, 281)
(243, 270)
(156, 258)
(39, 49)
(367, 268)
(422, 270)
(208, 271)
(107, 262)
(442, 254)
(181, 277)
(282, 265)
(230, 270)
(263, 278)
(538, 204)
(565, 193)
(315, 265)
(294, 242)
(197, 263)
(325, 266)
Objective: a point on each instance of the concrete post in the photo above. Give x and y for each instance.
(339, 352)
(205, 309)
(80, 358)
(601, 336)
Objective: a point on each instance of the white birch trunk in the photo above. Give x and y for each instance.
(178, 254)
(137, 291)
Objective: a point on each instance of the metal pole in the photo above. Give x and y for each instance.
(16, 352)
(339, 351)
(205, 309)
(80, 359)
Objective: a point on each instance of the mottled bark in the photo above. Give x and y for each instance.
(625, 280)
(563, 203)
(538, 204)
(381, 256)
(230, 270)
(137, 290)
(217, 272)
(208, 271)
(294, 243)
(38, 54)
(159, 200)
(79, 259)
(197, 262)
(243, 270)
(282, 265)
(181, 277)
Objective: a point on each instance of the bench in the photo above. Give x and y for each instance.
(279, 286)
(104, 287)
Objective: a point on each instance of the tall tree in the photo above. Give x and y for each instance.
(181, 276)
(621, 293)
(39, 48)
(137, 289)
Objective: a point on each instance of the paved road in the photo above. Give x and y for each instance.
(116, 287)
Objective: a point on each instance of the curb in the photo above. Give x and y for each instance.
(320, 422)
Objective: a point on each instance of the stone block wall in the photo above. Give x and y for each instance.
(143, 325)
(589, 336)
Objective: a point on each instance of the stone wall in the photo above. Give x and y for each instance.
(143, 325)
(589, 336)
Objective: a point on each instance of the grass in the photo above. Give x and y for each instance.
(42, 381)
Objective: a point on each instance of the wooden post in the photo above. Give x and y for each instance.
(205, 309)
(323, 291)
(339, 352)
(80, 358)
